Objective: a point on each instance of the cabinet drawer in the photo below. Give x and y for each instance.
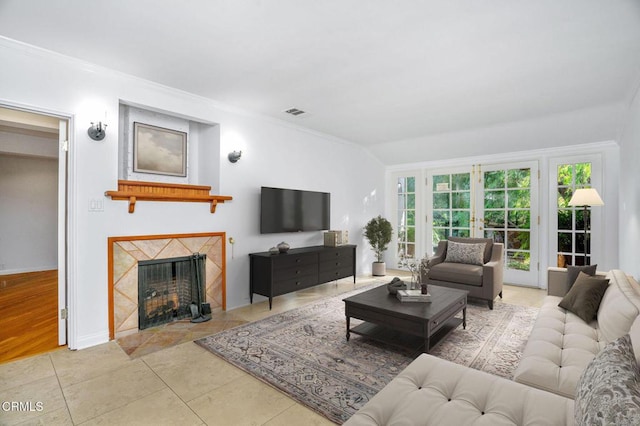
(281, 261)
(339, 263)
(335, 274)
(336, 253)
(295, 284)
(282, 274)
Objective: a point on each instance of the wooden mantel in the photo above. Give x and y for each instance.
(134, 191)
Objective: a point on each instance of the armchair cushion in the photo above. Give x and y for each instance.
(472, 254)
(462, 273)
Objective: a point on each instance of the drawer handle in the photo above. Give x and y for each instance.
(297, 260)
(297, 282)
(298, 272)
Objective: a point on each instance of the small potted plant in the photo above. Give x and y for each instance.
(378, 233)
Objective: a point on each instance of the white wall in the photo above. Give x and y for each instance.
(571, 128)
(629, 233)
(28, 213)
(274, 154)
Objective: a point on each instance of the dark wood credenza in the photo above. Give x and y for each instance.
(277, 274)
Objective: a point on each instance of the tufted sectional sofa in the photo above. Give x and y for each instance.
(432, 391)
(561, 344)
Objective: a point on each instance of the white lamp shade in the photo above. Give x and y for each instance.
(586, 197)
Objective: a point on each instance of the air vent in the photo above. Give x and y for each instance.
(295, 112)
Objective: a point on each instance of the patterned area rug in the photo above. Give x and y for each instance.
(304, 353)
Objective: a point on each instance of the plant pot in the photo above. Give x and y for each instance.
(379, 269)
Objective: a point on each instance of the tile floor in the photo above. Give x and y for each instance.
(181, 384)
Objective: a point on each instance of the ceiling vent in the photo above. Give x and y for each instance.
(295, 112)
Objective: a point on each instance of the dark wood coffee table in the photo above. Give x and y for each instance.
(417, 325)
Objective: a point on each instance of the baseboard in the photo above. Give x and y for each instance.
(26, 270)
(83, 342)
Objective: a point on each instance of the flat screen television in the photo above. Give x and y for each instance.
(292, 210)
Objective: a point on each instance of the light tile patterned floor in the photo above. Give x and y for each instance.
(180, 384)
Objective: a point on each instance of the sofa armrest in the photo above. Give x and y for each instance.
(493, 270)
(557, 281)
(441, 252)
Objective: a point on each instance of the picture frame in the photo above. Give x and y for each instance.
(159, 151)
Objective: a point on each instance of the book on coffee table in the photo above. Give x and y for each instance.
(413, 296)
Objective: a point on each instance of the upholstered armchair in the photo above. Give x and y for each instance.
(472, 264)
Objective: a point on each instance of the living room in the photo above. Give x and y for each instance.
(596, 119)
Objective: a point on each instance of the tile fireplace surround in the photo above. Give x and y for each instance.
(124, 254)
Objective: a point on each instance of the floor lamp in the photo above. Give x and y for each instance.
(586, 197)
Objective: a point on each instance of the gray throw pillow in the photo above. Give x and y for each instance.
(583, 299)
(608, 392)
(573, 271)
(472, 254)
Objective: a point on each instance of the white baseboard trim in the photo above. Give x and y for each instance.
(25, 270)
(83, 342)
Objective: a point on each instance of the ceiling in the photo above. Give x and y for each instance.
(367, 71)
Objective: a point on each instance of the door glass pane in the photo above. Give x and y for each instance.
(519, 198)
(494, 199)
(565, 219)
(441, 219)
(460, 219)
(461, 182)
(519, 178)
(494, 219)
(441, 201)
(494, 180)
(460, 200)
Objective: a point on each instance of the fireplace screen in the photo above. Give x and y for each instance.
(167, 288)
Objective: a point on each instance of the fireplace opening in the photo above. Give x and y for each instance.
(168, 287)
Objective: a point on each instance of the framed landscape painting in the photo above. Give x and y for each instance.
(159, 151)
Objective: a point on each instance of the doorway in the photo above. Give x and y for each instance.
(33, 211)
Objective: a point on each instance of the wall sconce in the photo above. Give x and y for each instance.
(97, 132)
(235, 156)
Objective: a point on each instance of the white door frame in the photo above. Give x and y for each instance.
(66, 221)
(63, 148)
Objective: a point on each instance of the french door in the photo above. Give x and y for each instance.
(489, 201)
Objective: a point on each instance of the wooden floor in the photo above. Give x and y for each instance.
(28, 314)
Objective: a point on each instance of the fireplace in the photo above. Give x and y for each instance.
(168, 287)
(126, 252)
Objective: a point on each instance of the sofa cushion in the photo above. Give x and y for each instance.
(619, 307)
(559, 348)
(488, 248)
(583, 299)
(457, 272)
(608, 392)
(573, 271)
(472, 254)
(432, 391)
